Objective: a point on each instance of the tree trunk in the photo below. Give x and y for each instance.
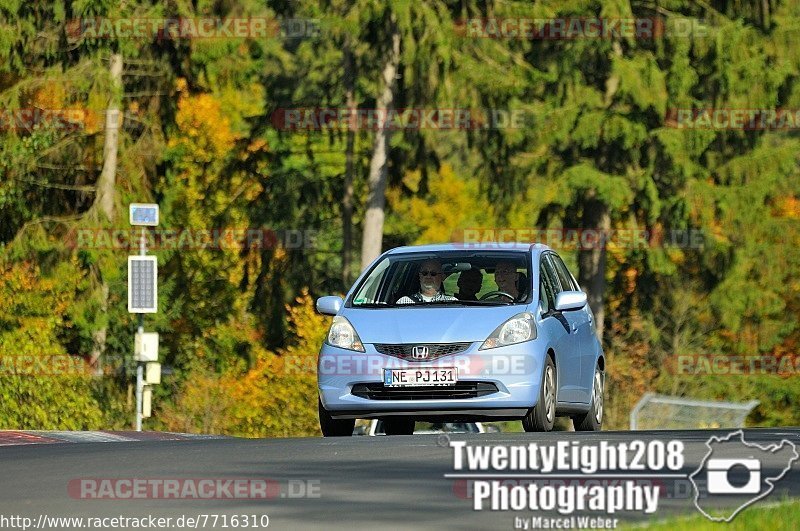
(104, 200)
(764, 14)
(372, 239)
(592, 262)
(596, 217)
(108, 176)
(347, 198)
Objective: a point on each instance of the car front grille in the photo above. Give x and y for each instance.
(463, 389)
(435, 350)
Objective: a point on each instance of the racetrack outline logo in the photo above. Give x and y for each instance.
(769, 480)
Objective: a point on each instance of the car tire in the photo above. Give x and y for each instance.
(332, 427)
(593, 419)
(542, 416)
(398, 426)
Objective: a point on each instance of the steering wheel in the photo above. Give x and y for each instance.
(495, 294)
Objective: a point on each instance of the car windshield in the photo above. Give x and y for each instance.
(465, 278)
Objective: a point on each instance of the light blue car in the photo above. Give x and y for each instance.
(461, 332)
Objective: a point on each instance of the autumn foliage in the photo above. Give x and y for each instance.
(276, 397)
(239, 335)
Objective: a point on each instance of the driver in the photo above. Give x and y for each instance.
(506, 277)
(469, 284)
(430, 284)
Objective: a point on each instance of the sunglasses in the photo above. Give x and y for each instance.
(430, 273)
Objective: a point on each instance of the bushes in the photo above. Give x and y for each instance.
(277, 396)
(41, 386)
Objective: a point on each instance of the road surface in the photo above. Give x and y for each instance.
(360, 482)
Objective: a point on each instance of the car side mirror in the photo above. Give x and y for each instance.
(329, 305)
(570, 300)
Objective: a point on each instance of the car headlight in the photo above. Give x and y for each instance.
(343, 335)
(518, 329)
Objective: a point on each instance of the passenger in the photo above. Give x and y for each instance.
(506, 277)
(430, 284)
(469, 284)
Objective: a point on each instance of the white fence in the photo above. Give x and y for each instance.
(661, 412)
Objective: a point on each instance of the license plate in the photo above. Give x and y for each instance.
(419, 377)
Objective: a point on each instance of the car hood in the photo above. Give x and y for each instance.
(428, 325)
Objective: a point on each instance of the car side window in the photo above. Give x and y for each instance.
(543, 296)
(567, 282)
(546, 278)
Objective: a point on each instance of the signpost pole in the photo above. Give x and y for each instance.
(139, 365)
(142, 299)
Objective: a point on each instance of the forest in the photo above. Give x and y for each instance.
(654, 144)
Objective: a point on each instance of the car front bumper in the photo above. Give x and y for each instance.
(515, 372)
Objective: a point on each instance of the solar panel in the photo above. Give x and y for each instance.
(142, 284)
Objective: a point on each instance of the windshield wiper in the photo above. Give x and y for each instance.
(484, 303)
(466, 303)
(373, 305)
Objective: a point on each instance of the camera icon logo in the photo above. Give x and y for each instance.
(735, 474)
(721, 474)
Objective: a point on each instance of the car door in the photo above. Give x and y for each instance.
(558, 328)
(581, 329)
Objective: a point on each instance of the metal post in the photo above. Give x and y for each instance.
(634, 415)
(139, 364)
(139, 382)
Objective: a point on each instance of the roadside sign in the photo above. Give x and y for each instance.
(143, 214)
(152, 373)
(147, 402)
(145, 347)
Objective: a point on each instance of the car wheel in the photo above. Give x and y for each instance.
(593, 419)
(398, 426)
(543, 415)
(332, 427)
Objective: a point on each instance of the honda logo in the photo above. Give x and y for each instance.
(420, 352)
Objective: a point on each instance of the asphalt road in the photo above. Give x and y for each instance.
(377, 482)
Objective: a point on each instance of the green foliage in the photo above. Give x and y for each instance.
(198, 138)
(41, 385)
(781, 515)
(276, 397)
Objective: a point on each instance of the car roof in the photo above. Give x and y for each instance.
(482, 246)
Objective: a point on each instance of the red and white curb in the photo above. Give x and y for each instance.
(17, 437)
